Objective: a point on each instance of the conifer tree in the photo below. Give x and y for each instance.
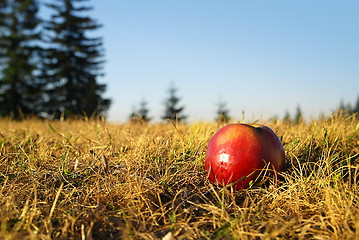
(20, 88)
(73, 62)
(356, 108)
(141, 115)
(341, 105)
(287, 118)
(172, 111)
(298, 116)
(3, 6)
(222, 113)
(345, 109)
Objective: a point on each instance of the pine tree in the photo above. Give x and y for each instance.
(141, 115)
(222, 113)
(3, 6)
(341, 106)
(73, 62)
(287, 118)
(356, 107)
(20, 88)
(298, 116)
(172, 111)
(345, 109)
(143, 111)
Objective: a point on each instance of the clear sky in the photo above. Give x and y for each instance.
(263, 57)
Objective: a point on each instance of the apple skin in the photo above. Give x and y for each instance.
(237, 153)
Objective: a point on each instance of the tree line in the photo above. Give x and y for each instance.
(50, 67)
(175, 113)
(348, 108)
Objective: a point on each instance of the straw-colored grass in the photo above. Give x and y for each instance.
(95, 180)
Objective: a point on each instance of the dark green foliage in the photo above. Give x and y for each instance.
(298, 116)
(222, 113)
(172, 111)
(20, 88)
(287, 118)
(53, 73)
(348, 109)
(73, 62)
(3, 5)
(141, 115)
(356, 108)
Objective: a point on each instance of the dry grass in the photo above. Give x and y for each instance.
(94, 180)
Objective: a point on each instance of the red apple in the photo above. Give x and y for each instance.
(238, 152)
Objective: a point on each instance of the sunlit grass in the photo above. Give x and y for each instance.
(95, 180)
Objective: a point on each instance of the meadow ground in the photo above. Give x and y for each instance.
(96, 180)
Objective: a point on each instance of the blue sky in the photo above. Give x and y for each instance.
(260, 57)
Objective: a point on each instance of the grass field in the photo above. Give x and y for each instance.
(95, 180)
